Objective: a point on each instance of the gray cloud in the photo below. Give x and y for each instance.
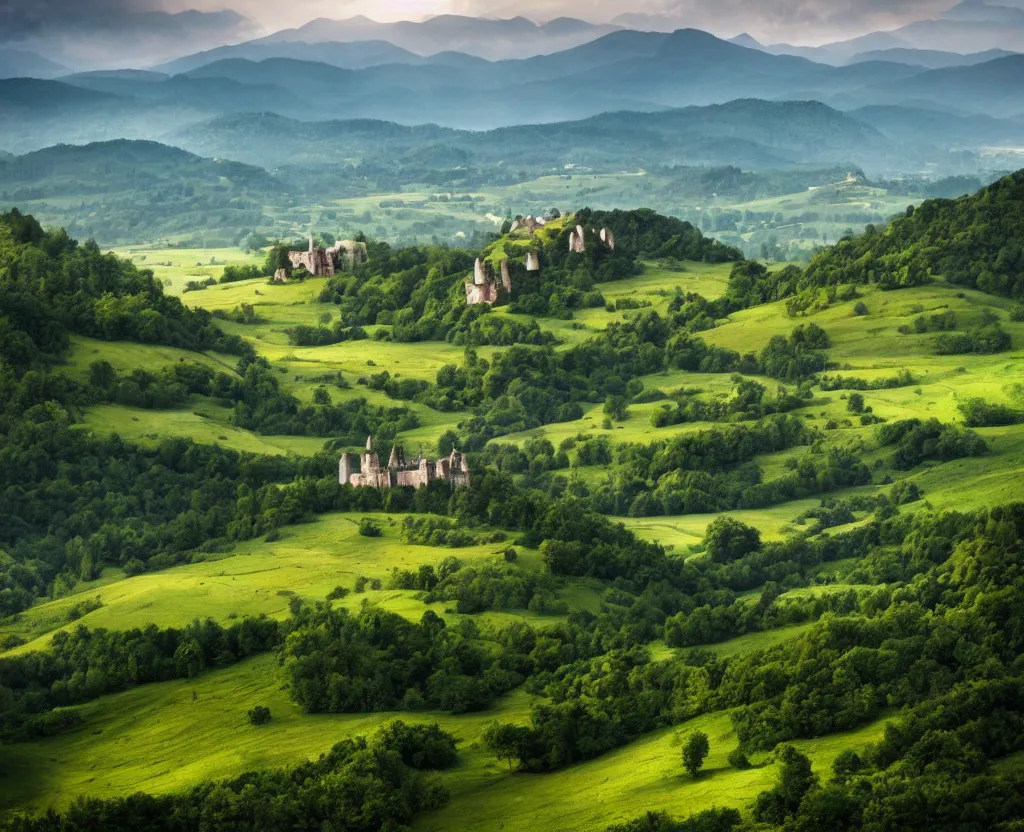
(25, 18)
(801, 21)
(797, 20)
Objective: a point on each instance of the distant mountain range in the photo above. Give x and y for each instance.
(109, 167)
(493, 39)
(19, 63)
(967, 29)
(929, 58)
(748, 133)
(621, 72)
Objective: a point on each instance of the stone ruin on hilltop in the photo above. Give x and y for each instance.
(486, 287)
(399, 471)
(344, 255)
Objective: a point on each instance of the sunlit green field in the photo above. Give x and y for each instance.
(259, 578)
(174, 267)
(152, 731)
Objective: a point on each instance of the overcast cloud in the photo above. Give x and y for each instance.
(797, 21)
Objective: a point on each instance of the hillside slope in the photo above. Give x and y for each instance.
(740, 542)
(127, 190)
(972, 241)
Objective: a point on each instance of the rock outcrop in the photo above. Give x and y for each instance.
(280, 276)
(608, 238)
(532, 261)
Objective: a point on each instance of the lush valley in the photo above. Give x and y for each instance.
(771, 506)
(480, 423)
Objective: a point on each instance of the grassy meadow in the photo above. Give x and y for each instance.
(259, 578)
(167, 736)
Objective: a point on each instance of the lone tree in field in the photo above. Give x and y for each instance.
(507, 742)
(694, 752)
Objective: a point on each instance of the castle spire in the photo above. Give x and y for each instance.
(369, 443)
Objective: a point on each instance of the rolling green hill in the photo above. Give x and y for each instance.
(127, 191)
(776, 508)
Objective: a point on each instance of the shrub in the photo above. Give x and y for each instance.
(738, 760)
(369, 528)
(260, 715)
(979, 413)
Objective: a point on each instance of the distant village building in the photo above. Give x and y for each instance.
(344, 255)
(399, 471)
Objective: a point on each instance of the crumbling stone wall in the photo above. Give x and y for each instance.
(344, 255)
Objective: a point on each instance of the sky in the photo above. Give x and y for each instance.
(805, 21)
(796, 21)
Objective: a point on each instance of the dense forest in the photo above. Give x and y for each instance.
(973, 241)
(924, 631)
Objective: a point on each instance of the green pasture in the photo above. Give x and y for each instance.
(126, 356)
(174, 267)
(208, 423)
(147, 739)
(259, 578)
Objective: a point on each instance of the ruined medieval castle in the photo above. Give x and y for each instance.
(487, 287)
(344, 255)
(454, 469)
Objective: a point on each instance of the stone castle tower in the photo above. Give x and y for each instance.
(401, 472)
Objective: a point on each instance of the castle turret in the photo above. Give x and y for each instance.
(345, 468)
(397, 458)
(369, 444)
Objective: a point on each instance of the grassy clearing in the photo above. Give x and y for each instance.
(175, 267)
(620, 785)
(127, 356)
(741, 644)
(150, 732)
(259, 578)
(207, 424)
(683, 531)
